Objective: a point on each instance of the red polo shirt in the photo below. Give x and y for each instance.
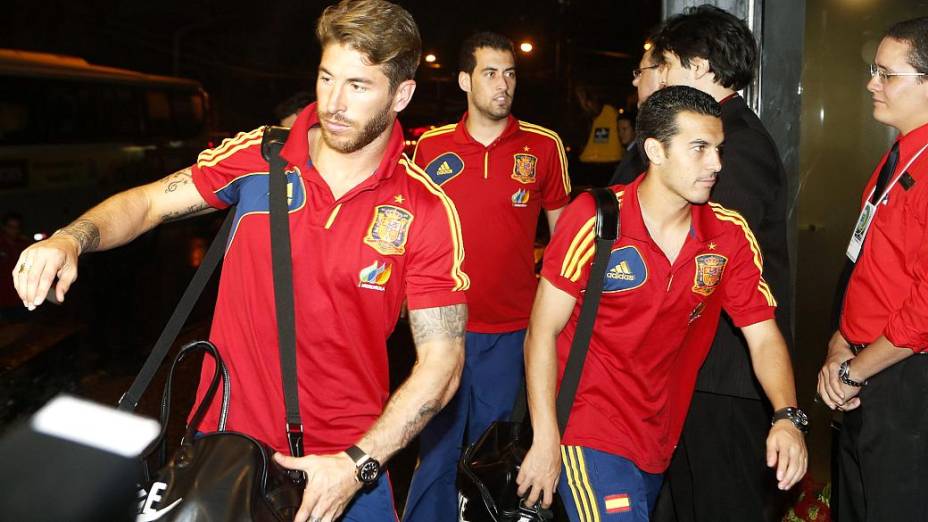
(655, 322)
(888, 290)
(499, 191)
(355, 258)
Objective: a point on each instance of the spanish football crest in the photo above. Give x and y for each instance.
(389, 230)
(709, 268)
(523, 168)
(625, 271)
(445, 167)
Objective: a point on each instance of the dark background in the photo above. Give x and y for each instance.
(250, 56)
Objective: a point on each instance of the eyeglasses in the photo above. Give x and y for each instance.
(875, 71)
(637, 72)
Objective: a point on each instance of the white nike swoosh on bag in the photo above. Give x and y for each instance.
(155, 515)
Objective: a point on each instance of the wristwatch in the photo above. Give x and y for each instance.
(367, 467)
(846, 379)
(794, 415)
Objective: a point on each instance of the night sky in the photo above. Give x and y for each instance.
(250, 56)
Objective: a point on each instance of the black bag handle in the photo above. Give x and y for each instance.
(607, 228)
(271, 144)
(130, 400)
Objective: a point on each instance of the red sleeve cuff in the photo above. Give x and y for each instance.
(200, 182)
(435, 299)
(903, 336)
(754, 316)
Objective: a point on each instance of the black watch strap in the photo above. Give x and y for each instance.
(794, 415)
(356, 454)
(844, 375)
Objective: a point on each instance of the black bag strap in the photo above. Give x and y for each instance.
(130, 400)
(607, 231)
(271, 144)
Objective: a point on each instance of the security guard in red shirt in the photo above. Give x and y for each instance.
(875, 370)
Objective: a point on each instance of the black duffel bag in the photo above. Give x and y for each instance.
(222, 476)
(227, 476)
(488, 468)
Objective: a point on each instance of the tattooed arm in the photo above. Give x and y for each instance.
(439, 337)
(114, 222)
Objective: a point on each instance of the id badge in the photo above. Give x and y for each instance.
(860, 231)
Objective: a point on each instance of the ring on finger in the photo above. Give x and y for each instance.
(23, 267)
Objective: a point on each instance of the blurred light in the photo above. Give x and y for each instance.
(647, 46)
(621, 111)
(430, 58)
(40, 236)
(526, 47)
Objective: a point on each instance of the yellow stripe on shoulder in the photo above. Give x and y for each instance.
(580, 246)
(229, 146)
(431, 133)
(733, 216)
(559, 145)
(461, 280)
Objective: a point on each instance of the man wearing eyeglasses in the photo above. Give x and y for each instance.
(870, 372)
(647, 79)
(714, 51)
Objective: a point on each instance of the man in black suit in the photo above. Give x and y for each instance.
(718, 472)
(647, 79)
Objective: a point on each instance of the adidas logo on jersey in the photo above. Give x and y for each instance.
(621, 272)
(444, 169)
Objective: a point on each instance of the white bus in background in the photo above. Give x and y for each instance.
(72, 133)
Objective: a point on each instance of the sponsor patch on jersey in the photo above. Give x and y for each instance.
(375, 275)
(709, 269)
(523, 168)
(389, 230)
(444, 167)
(617, 503)
(625, 271)
(520, 198)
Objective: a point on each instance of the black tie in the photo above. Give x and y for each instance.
(885, 173)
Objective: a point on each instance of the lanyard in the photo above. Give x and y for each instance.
(868, 212)
(902, 171)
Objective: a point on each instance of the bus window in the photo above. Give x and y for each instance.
(158, 119)
(21, 112)
(189, 114)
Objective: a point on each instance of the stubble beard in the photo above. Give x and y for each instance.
(372, 129)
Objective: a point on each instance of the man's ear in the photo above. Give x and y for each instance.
(655, 151)
(700, 67)
(403, 95)
(464, 81)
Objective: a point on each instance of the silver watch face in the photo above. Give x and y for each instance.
(369, 472)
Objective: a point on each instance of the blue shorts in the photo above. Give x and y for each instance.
(372, 504)
(492, 376)
(598, 486)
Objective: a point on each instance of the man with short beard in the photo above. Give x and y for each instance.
(368, 230)
(500, 172)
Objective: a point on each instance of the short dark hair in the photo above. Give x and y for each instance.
(467, 57)
(915, 33)
(716, 35)
(657, 117)
(294, 104)
(382, 31)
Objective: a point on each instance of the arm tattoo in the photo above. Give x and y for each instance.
(442, 322)
(85, 232)
(181, 177)
(181, 214)
(414, 425)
